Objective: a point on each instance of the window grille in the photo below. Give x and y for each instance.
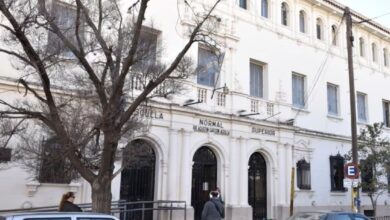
(386, 113)
(303, 175)
(54, 168)
(256, 80)
(337, 173)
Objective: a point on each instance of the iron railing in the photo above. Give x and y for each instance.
(121, 209)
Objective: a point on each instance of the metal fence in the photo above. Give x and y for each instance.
(380, 218)
(140, 210)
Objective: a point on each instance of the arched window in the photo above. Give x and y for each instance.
(385, 57)
(374, 52)
(319, 28)
(334, 35)
(264, 8)
(362, 47)
(302, 21)
(284, 13)
(303, 175)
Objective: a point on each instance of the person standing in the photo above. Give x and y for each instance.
(213, 209)
(67, 205)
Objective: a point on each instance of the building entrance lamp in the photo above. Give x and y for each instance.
(225, 90)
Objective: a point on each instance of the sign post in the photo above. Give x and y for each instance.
(351, 172)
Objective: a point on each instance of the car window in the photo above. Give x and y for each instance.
(342, 217)
(308, 216)
(92, 218)
(48, 218)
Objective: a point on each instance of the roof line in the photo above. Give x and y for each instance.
(358, 15)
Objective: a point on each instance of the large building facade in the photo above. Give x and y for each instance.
(279, 100)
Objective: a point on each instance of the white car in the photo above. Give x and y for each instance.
(58, 216)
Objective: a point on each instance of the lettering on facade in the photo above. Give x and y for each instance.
(149, 113)
(265, 131)
(210, 126)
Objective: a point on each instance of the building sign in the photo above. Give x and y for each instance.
(264, 131)
(149, 113)
(210, 126)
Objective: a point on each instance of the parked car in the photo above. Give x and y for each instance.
(328, 215)
(57, 216)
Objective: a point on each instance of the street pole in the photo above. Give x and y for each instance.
(352, 96)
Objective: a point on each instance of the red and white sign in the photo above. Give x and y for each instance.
(351, 171)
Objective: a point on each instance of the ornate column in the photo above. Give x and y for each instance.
(186, 168)
(173, 165)
(243, 166)
(234, 196)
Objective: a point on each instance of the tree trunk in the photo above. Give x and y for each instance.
(101, 195)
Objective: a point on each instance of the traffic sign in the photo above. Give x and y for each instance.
(351, 171)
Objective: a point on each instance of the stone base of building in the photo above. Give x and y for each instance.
(238, 212)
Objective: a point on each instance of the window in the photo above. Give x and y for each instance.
(386, 113)
(5, 154)
(337, 173)
(374, 52)
(242, 4)
(264, 8)
(256, 80)
(388, 177)
(284, 14)
(208, 67)
(65, 18)
(54, 168)
(367, 175)
(361, 47)
(303, 175)
(302, 21)
(146, 54)
(334, 35)
(298, 90)
(333, 102)
(361, 107)
(319, 28)
(385, 57)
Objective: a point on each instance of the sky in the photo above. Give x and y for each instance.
(370, 9)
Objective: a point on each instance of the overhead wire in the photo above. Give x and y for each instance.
(320, 69)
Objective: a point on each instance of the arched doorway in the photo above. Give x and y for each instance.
(137, 179)
(204, 178)
(257, 186)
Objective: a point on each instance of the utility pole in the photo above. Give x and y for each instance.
(348, 18)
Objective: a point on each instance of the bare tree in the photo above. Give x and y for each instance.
(79, 62)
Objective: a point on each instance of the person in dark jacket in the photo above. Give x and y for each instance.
(67, 205)
(213, 209)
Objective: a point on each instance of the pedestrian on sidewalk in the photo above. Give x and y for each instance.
(67, 205)
(213, 209)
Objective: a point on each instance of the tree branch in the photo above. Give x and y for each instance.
(153, 84)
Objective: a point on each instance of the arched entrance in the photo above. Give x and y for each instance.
(204, 178)
(137, 179)
(257, 186)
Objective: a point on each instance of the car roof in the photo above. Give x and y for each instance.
(56, 214)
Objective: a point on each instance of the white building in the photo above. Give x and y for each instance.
(285, 64)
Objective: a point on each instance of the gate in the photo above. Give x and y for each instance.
(137, 179)
(204, 178)
(257, 186)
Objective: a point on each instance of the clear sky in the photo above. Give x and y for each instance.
(371, 8)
